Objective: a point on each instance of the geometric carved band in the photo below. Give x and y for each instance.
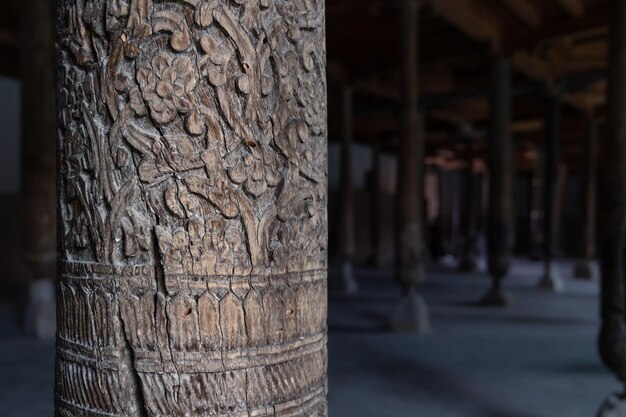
(293, 388)
(210, 346)
(231, 360)
(142, 276)
(310, 405)
(198, 361)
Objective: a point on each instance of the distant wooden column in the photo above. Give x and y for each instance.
(375, 198)
(38, 188)
(500, 219)
(612, 205)
(551, 279)
(348, 282)
(411, 314)
(38, 141)
(536, 208)
(585, 268)
(468, 215)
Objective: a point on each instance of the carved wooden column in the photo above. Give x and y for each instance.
(192, 141)
(551, 279)
(501, 165)
(585, 268)
(38, 188)
(468, 215)
(411, 314)
(612, 205)
(346, 196)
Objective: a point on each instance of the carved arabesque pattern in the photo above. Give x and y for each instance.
(193, 194)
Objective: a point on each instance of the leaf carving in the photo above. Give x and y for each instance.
(172, 22)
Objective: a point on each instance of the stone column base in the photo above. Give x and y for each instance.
(614, 406)
(411, 315)
(40, 319)
(551, 279)
(348, 284)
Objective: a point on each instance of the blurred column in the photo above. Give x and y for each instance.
(376, 209)
(612, 205)
(411, 313)
(501, 165)
(536, 208)
(348, 283)
(551, 279)
(38, 176)
(468, 214)
(586, 268)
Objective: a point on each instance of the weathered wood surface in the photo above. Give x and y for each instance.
(192, 139)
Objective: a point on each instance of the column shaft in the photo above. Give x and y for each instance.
(192, 188)
(411, 314)
(38, 171)
(537, 208)
(38, 187)
(585, 268)
(346, 197)
(375, 200)
(551, 279)
(468, 215)
(590, 182)
(501, 166)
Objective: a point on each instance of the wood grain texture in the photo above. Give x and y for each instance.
(192, 159)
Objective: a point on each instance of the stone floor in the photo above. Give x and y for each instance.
(534, 359)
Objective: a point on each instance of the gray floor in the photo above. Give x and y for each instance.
(535, 359)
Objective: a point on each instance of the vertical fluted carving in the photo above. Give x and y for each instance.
(192, 139)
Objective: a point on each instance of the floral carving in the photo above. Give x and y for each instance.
(256, 171)
(167, 85)
(215, 61)
(216, 112)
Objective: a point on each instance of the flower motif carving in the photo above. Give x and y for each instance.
(167, 85)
